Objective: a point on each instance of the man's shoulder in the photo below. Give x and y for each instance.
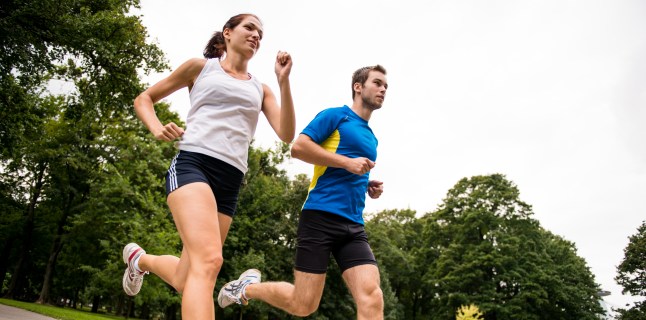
(342, 110)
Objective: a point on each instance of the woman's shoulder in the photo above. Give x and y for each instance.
(190, 69)
(194, 63)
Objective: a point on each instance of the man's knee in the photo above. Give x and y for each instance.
(305, 309)
(377, 295)
(373, 300)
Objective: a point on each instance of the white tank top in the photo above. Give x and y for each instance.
(223, 115)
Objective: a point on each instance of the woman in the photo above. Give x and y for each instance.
(204, 179)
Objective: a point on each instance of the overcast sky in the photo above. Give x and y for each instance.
(550, 93)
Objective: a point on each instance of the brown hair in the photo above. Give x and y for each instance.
(216, 46)
(361, 75)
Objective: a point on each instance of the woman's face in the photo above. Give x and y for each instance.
(246, 36)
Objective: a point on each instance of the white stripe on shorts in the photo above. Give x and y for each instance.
(172, 174)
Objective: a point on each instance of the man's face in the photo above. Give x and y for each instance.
(373, 91)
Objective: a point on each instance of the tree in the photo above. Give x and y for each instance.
(27, 175)
(67, 38)
(395, 240)
(631, 274)
(483, 248)
(126, 203)
(94, 46)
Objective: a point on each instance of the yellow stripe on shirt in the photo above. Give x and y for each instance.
(330, 144)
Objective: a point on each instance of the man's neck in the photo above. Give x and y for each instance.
(362, 111)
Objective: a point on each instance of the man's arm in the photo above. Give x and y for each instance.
(306, 149)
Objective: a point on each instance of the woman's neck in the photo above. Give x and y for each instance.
(235, 67)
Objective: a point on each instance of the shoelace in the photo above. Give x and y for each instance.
(136, 276)
(236, 289)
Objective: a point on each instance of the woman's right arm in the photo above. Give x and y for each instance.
(183, 76)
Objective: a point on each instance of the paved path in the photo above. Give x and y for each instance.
(12, 313)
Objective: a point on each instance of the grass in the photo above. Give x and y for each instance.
(58, 312)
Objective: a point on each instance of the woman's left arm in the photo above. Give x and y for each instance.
(281, 117)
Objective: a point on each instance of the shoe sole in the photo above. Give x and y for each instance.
(124, 282)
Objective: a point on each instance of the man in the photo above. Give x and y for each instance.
(343, 149)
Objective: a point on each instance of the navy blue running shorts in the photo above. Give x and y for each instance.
(224, 179)
(321, 233)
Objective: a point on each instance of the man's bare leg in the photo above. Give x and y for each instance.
(364, 284)
(300, 299)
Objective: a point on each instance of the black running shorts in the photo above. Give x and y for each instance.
(321, 233)
(224, 179)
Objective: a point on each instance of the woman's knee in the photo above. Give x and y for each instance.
(206, 265)
(212, 262)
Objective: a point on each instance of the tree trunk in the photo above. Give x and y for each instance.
(171, 312)
(76, 299)
(95, 304)
(119, 310)
(57, 245)
(49, 270)
(144, 311)
(4, 258)
(131, 308)
(27, 232)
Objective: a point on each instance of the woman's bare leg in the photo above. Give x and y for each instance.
(173, 270)
(195, 213)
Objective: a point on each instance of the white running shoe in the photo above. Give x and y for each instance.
(132, 279)
(232, 292)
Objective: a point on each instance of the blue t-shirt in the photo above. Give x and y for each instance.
(337, 190)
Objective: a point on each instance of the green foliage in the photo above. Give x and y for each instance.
(392, 308)
(93, 44)
(21, 115)
(486, 249)
(38, 35)
(127, 204)
(394, 238)
(631, 274)
(58, 147)
(637, 312)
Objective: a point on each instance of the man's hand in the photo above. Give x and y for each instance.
(359, 166)
(375, 188)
